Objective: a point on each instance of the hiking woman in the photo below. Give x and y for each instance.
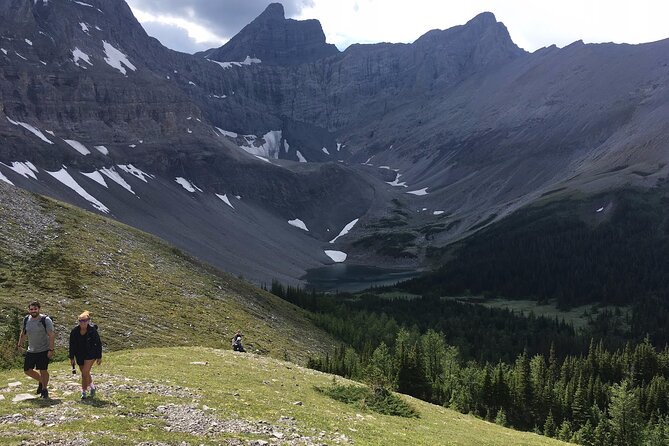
(86, 348)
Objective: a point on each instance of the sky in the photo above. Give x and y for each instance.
(196, 25)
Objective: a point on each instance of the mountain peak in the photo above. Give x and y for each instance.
(276, 40)
(483, 19)
(274, 11)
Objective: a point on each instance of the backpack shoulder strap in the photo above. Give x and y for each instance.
(43, 321)
(25, 322)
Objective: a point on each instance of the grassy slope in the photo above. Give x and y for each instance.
(246, 388)
(141, 292)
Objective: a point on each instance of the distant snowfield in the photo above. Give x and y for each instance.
(78, 55)
(298, 224)
(227, 133)
(79, 147)
(64, 177)
(325, 150)
(225, 199)
(301, 158)
(346, 230)
(26, 169)
(419, 192)
(336, 256)
(269, 149)
(396, 182)
(113, 175)
(190, 187)
(97, 177)
(132, 170)
(248, 61)
(31, 129)
(5, 179)
(437, 212)
(117, 59)
(102, 149)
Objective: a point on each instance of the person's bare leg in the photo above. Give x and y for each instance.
(86, 374)
(44, 378)
(33, 374)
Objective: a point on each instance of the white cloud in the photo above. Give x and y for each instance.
(200, 35)
(532, 24)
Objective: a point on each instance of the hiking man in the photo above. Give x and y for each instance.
(237, 342)
(38, 328)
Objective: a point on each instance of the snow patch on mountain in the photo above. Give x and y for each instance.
(5, 179)
(84, 27)
(346, 230)
(301, 157)
(419, 192)
(31, 129)
(438, 212)
(225, 200)
(227, 133)
(79, 147)
(78, 55)
(298, 224)
(396, 182)
(325, 150)
(336, 256)
(102, 149)
(97, 177)
(248, 61)
(64, 177)
(190, 187)
(26, 169)
(84, 4)
(132, 170)
(116, 58)
(113, 175)
(269, 149)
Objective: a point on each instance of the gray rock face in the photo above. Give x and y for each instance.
(472, 125)
(276, 41)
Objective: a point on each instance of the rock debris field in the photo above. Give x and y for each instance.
(185, 416)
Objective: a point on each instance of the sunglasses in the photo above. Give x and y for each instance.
(84, 320)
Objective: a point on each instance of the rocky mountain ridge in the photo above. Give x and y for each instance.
(271, 39)
(429, 140)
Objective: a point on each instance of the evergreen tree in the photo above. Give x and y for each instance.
(500, 418)
(549, 425)
(585, 436)
(625, 418)
(381, 370)
(564, 433)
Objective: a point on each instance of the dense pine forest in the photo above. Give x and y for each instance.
(611, 248)
(607, 384)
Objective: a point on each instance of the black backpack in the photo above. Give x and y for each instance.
(42, 320)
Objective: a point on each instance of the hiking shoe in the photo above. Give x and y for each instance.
(93, 392)
(45, 394)
(83, 395)
(39, 389)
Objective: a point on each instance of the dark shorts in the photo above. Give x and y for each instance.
(80, 359)
(39, 361)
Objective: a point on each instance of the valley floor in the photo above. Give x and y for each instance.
(205, 396)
